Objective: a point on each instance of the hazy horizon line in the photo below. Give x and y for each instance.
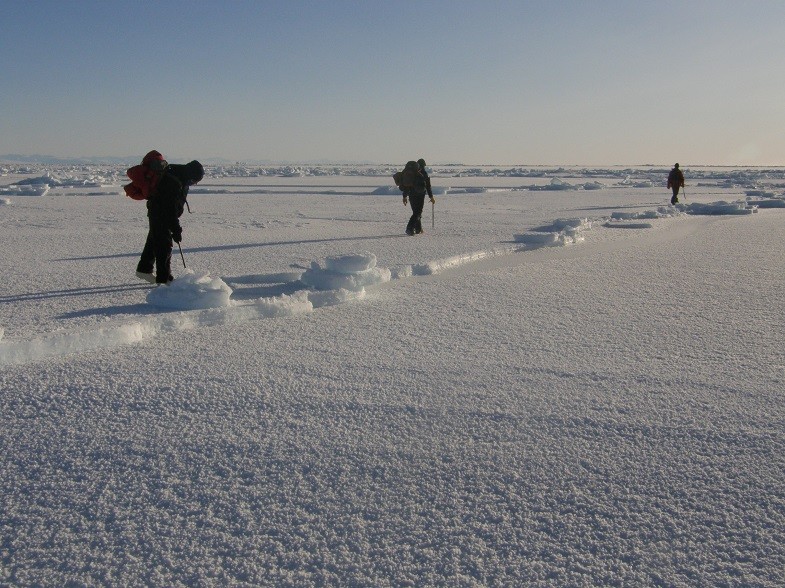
(17, 158)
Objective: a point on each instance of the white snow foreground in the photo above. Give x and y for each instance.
(58, 344)
(204, 301)
(605, 413)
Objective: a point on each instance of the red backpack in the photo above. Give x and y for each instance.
(144, 177)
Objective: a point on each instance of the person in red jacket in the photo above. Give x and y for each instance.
(675, 181)
(144, 177)
(164, 208)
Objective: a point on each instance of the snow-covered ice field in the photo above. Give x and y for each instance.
(565, 381)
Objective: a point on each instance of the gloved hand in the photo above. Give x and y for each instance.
(177, 234)
(433, 200)
(404, 201)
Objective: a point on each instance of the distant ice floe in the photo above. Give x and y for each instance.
(622, 220)
(387, 191)
(568, 231)
(593, 186)
(396, 191)
(65, 181)
(766, 202)
(719, 208)
(560, 232)
(756, 193)
(556, 184)
(636, 183)
(40, 185)
(24, 190)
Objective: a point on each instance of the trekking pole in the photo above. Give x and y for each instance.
(684, 193)
(181, 254)
(433, 221)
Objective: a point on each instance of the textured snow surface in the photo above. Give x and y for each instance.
(523, 395)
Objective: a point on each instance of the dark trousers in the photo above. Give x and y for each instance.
(157, 251)
(675, 198)
(417, 201)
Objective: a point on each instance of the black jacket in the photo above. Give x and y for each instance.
(423, 188)
(675, 178)
(167, 203)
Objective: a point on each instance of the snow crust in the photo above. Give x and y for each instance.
(351, 272)
(576, 386)
(193, 291)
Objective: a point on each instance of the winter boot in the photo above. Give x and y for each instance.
(146, 277)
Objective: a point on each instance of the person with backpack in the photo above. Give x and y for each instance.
(165, 205)
(675, 181)
(414, 182)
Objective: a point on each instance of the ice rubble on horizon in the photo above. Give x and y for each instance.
(67, 181)
(396, 191)
(24, 190)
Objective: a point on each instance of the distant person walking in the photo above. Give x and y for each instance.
(414, 183)
(165, 205)
(675, 181)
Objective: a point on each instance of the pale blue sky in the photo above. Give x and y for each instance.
(519, 82)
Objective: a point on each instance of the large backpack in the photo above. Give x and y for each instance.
(410, 178)
(145, 177)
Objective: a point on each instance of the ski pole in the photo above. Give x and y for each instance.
(433, 221)
(684, 192)
(181, 253)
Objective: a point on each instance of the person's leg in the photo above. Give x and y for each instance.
(147, 259)
(163, 252)
(417, 205)
(410, 226)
